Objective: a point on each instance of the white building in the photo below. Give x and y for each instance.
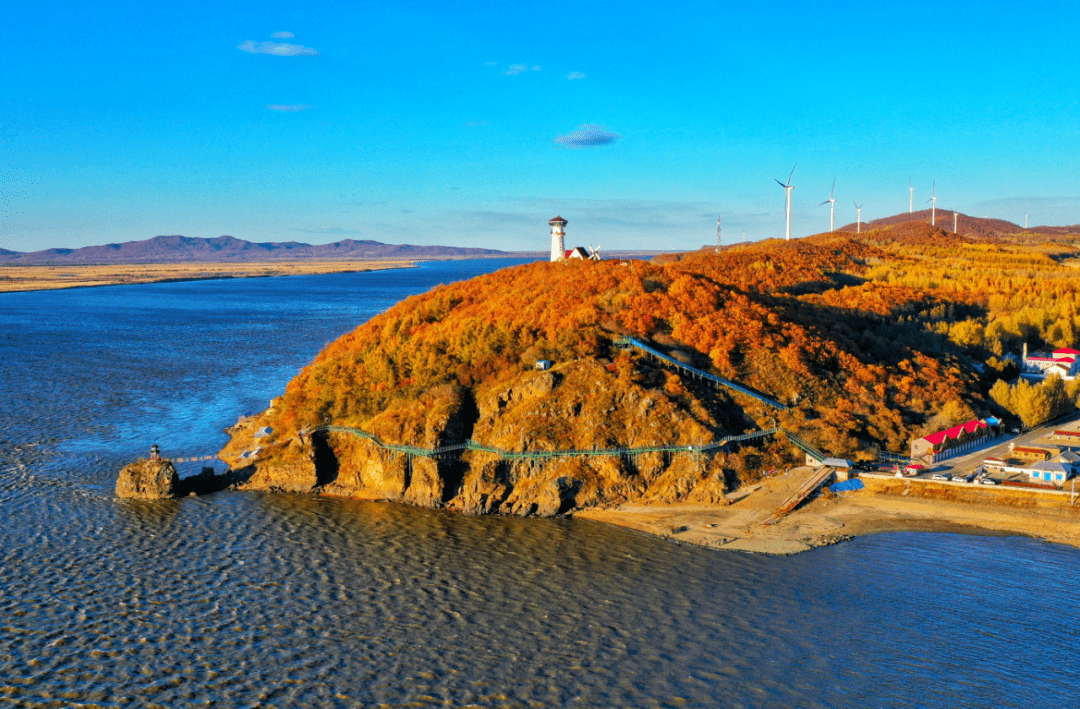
(558, 251)
(1064, 363)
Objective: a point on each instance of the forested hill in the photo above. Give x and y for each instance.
(870, 340)
(180, 249)
(977, 227)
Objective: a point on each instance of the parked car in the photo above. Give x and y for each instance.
(960, 478)
(988, 481)
(939, 476)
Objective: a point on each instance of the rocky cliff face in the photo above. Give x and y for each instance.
(581, 405)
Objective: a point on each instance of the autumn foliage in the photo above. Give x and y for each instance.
(871, 339)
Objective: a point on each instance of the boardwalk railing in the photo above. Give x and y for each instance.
(894, 458)
(194, 459)
(719, 381)
(416, 451)
(805, 447)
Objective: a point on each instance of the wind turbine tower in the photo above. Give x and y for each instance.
(858, 211)
(1025, 221)
(787, 191)
(910, 197)
(933, 207)
(954, 222)
(718, 223)
(832, 204)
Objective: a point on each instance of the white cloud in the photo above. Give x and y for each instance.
(280, 49)
(493, 63)
(538, 68)
(283, 35)
(290, 107)
(587, 136)
(516, 69)
(575, 75)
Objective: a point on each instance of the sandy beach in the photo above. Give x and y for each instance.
(884, 505)
(31, 278)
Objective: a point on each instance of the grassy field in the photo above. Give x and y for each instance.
(28, 278)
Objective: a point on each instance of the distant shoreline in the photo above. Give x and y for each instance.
(28, 278)
(22, 279)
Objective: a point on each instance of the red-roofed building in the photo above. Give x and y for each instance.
(582, 253)
(1071, 438)
(1063, 362)
(951, 441)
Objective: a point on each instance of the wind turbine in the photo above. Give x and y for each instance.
(954, 222)
(910, 197)
(832, 204)
(933, 208)
(718, 223)
(858, 210)
(787, 191)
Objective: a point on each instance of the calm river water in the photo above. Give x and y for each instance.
(262, 600)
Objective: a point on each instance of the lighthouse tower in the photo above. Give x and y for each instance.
(557, 235)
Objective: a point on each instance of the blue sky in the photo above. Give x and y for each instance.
(471, 124)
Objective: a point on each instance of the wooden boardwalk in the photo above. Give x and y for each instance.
(693, 371)
(812, 483)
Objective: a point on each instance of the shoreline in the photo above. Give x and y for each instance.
(883, 506)
(26, 279)
(743, 522)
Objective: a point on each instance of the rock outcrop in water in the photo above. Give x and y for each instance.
(157, 479)
(154, 479)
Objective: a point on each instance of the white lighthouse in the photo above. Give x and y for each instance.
(557, 234)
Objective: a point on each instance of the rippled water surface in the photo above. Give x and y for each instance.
(260, 600)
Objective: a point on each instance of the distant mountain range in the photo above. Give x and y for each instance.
(965, 224)
(226, 249)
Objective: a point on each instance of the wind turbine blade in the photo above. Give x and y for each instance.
(833, 188)
(781, 184)
(825, 202)
(790, 174)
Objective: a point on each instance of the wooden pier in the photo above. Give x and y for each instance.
(805, 490)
